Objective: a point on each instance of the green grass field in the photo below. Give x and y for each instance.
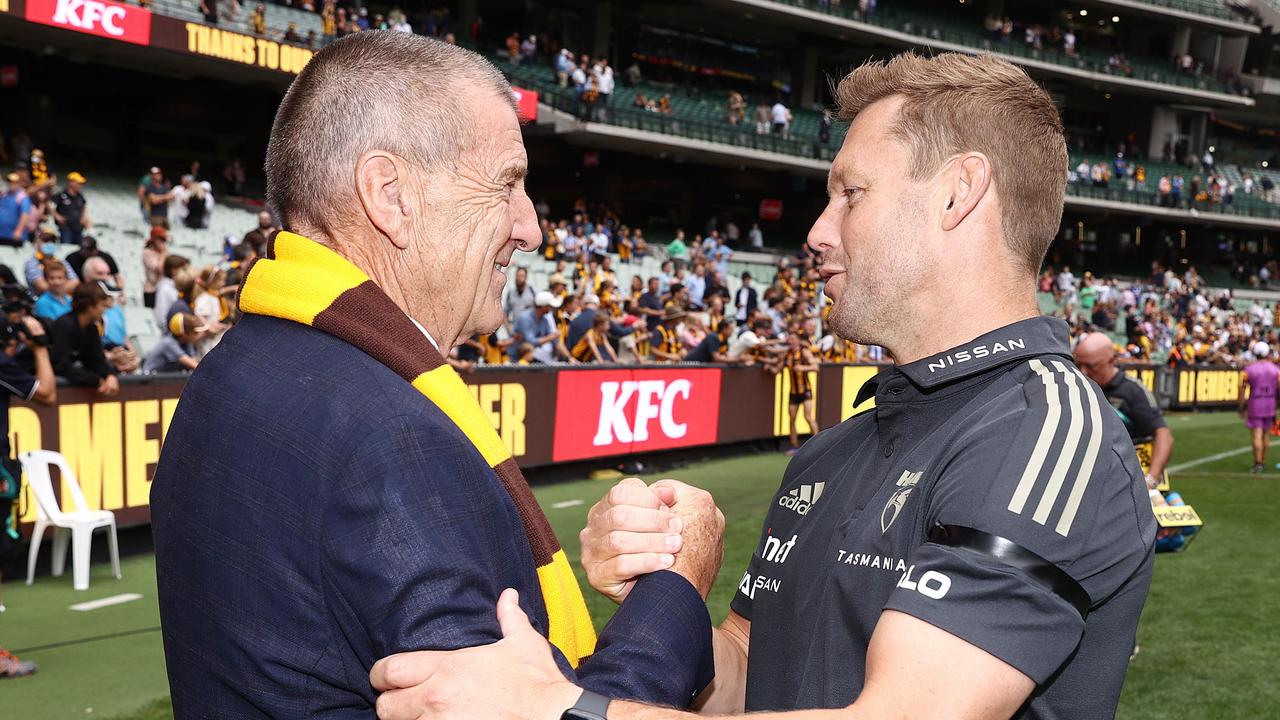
(1208, 635)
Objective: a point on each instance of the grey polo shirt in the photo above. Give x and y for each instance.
(991, 493)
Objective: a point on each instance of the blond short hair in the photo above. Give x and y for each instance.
(955, 103)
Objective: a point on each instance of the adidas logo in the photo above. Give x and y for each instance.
(802, 498)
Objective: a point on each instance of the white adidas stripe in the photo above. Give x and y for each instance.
(1047, 431)
(1067, 455)
(1078, 442)
(808, 493)
(1087, 465)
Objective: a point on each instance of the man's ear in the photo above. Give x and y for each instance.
(967, 179)
(382, 186)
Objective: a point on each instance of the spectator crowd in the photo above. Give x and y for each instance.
(73, 288)
(338, 18)
(684, 313)
(1201, 185)
(1168, 317)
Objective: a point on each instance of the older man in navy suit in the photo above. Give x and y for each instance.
(329, 493)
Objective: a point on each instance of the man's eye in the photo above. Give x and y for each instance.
(852, 193)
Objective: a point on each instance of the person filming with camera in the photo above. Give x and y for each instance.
(41, 388)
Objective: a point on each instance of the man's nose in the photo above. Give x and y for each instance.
(524, 226)
(824, 234)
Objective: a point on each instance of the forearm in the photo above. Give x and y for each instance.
(48, 388)
(727, 693)
(635, 711)
(657, 648)
(1161, 450)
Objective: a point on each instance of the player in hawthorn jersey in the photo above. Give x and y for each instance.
(797, 363)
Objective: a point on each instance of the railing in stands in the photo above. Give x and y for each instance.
(722, 133)
(931, 28)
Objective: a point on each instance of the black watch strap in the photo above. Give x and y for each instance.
(590, 706)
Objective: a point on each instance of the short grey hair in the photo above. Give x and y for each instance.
(90, 263)
(378, 89)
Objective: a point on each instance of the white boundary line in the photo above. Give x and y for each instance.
(566, 504)
(106, 602)
(1208, 459)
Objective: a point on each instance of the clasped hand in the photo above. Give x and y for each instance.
(634, 530)
(637, 529)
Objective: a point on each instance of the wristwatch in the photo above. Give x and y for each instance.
(590, 706)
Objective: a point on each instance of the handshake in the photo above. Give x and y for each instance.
(637, 529)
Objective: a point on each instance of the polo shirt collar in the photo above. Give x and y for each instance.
(1028, 338)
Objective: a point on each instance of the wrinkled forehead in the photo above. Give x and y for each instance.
(496, 127)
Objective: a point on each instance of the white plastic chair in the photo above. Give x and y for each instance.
(77, 525)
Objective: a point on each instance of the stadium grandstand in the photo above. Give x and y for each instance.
(678, 157)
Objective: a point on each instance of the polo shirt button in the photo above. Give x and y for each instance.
(888, 450)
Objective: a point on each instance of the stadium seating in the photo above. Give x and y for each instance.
(692, 117)
(1251, 206)
(937, 28)
(278, 17)
(121, 231)
(1210, 8)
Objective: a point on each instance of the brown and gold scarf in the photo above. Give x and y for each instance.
(303, 281)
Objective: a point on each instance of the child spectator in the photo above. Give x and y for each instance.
(526, 354)
(176, 352)
(212, 308)
(54, 302)
(166, 289)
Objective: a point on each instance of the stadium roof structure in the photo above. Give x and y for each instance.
(1209, 14)
(910, 31)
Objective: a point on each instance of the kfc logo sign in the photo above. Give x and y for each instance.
(103, 18)
(615, 412)
(655, 399)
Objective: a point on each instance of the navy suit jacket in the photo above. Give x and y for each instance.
(313, 513)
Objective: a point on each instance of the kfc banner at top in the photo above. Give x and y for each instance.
(616, 412)
(103, 18)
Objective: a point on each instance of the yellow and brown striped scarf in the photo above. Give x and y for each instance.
(303, 281)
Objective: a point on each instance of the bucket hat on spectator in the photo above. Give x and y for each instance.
(556, 279)
(546, 299)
